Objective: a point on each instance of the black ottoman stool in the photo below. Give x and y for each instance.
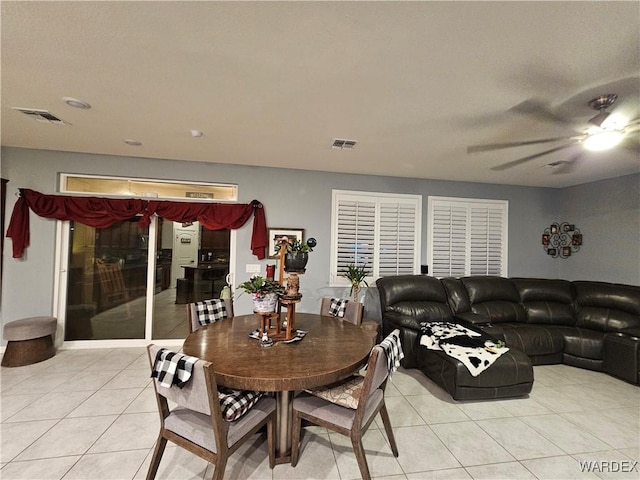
(511, 375)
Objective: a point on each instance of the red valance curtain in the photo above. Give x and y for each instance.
(103, 212)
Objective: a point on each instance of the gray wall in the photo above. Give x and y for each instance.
(608, 215)
(302, 199)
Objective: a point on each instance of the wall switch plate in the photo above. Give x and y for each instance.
(253, 268)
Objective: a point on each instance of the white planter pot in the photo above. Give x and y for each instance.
(266, 304)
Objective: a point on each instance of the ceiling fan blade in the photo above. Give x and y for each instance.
(566, 166)
(513, 163)
(539, 109)
(500, 146)
(631, 142)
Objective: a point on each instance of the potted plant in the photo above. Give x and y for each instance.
(264, 293)
(296, 253)
(356, 276)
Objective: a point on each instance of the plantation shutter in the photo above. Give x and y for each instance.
(356, 233)
(467, 237)
(378, 231)
(397, 239)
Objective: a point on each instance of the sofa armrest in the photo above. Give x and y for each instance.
(472, 318)
(631, 331)
(401, 320)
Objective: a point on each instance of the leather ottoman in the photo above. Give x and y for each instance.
(511, 375)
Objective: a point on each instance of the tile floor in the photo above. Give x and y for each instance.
(91, 414)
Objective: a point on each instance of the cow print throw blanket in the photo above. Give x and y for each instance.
(476, 350)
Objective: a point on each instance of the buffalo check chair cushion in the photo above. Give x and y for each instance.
(338, 307)
(210, 311)
(393, 350)
(171, 368)
(236, 403)
(343, 309)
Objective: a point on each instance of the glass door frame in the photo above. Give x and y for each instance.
(61, 284)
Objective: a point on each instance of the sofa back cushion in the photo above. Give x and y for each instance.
(607, 307)
(419, 296)
(457, 295)
(547, 301)
(496, 298)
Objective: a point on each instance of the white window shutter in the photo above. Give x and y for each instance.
(380, 231)
(355, 240)
(397, 238)
(467, 237)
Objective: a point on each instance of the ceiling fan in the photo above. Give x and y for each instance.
(595, 138)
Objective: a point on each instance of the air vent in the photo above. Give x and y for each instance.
(42, 116)
(340, 144)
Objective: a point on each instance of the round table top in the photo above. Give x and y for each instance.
(330, 351)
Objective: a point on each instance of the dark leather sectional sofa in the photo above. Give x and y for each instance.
(593, 325)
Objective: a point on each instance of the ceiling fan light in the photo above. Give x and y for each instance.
(603, 140)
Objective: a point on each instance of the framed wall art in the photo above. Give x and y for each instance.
(275, 234)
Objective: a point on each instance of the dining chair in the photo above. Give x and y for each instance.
(196, 421)
(352, 310)
(208, 311)
(365, 399)
(353, 313)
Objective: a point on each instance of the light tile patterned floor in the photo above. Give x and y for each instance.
(91, 414)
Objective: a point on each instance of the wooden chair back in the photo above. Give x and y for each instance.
(192, 314)
(352, 314)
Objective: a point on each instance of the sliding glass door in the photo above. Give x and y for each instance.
(124, 282)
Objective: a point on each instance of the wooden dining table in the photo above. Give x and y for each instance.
(330, 351)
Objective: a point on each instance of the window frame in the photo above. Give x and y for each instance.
(335, 280)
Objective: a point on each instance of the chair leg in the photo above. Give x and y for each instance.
(271, 442)
(387, 428)
(157, 456)
(295, 438)
(358, 449)
(220, 466)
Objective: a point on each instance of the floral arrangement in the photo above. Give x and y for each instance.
(296, 245)
(260, 286)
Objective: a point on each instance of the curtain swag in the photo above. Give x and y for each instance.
(100, 212)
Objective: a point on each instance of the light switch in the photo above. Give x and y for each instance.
(253, 268)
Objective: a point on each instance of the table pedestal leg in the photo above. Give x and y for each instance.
(284, 414)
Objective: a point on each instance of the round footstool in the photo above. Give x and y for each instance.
(30, 340)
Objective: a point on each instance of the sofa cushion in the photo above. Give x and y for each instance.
(457, 295)
(533, 340)
(607, 307)
(495, 298)
(581, 342)
(420, 297)
(546, 301)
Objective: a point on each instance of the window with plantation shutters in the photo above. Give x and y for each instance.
(467, 237)
(379, 231)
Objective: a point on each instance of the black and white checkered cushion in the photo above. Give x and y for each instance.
(210, 311)
(171, 368)
(393, 348)
(338, 307)
(235, 403)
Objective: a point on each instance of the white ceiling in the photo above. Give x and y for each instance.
(273, 83)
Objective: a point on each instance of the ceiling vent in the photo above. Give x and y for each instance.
(42, 116)
(341, 144)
